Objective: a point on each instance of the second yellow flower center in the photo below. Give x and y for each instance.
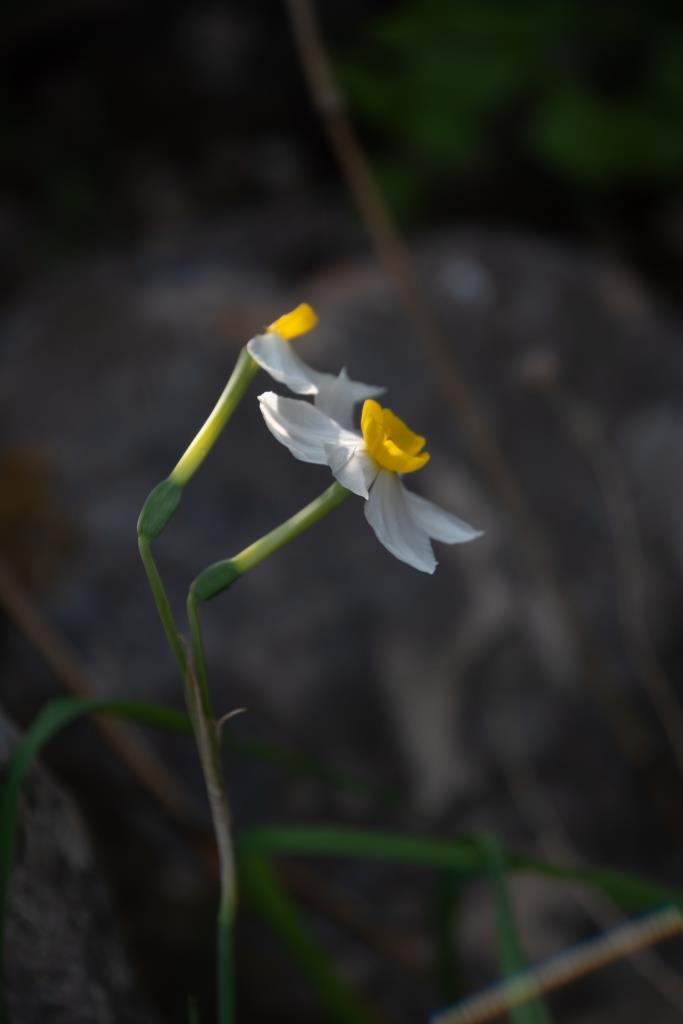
(388, 440)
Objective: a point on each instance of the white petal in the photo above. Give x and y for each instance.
(389, 515)
(439, 524)
(338, 395)
(307, 432)
(277, 357)
(352, 467)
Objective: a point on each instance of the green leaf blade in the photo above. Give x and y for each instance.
(510, 951)
(261, 885)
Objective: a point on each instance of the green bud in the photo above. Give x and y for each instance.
(158, 509)
(214, 580)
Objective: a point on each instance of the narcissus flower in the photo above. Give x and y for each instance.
(371, 464)
(333, 394)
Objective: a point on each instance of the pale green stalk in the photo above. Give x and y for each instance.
(198, 655)
(291, 528)
(156, 513)
(208, 584)
(207, 734)
(161, 600)
(163, 501)
(221, 575)
(244, 372)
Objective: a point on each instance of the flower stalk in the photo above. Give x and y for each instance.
(163, 605)
(218, 577)
(213, 581)
(271, 352)
(154, 517)
(208, 738)
(241, 377)
(163, 501)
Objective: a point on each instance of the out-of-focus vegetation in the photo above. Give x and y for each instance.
(551, 115)
(117, 116)
(587, 94)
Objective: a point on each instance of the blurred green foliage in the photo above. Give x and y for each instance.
(458, 860)
(587, 94)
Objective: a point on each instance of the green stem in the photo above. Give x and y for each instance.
(162, 603)
(207, 734)
(291, 528)
(244, 372)
(221, 575)
(209, 583)
(198, 655)
(158, 509)
(225, 963)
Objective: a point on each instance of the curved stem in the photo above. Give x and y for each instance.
(162, 603)
(225, 962)
(155, 515)
(242, 375)
(218, 577)
(213, 581)
(207, 735)
(193, 670)
(306, 517)
(198, 655)
(208, 744)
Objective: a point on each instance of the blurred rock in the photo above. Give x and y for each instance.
(64, 954)
(334, 646)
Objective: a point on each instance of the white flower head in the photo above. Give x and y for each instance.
(333, 394)
(371, 464)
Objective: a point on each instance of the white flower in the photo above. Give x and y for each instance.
(371, 465)
(333, 394)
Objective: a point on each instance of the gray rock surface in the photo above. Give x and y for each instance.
(65, 959)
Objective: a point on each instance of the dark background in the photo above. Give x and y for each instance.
(165, 190)
(558, 116)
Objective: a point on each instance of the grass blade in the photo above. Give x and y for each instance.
(631, 892)
(341, 841)
(447, 892)
(463, 855)
(510, 951)
(260, 883)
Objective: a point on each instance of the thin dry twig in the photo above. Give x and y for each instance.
(585, 428)
(393, 254)
(510, 747)
(566, 967)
